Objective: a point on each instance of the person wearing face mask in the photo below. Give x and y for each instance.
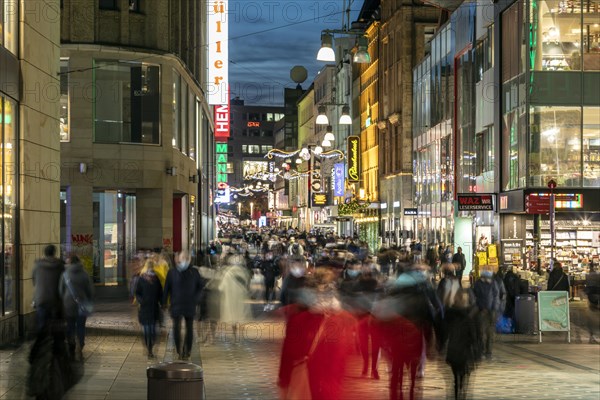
(294, 280)
(183, 286)
(487, 297)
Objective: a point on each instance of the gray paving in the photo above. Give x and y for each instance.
(115, 365)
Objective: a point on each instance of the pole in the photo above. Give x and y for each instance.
(552, 232)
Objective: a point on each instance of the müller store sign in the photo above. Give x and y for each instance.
(476, 202)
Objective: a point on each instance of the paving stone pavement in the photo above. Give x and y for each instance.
(115, 365)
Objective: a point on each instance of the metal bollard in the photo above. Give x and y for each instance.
(175, 381)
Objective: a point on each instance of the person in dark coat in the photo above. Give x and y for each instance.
(487, 295)
(463, 344)
(75, 289)
(461, 263)
(513, 289)
(270, 270)
(47, 273)
(183, 287)
(294, 280)
(558, 280)
(148, 294)
(592, 290)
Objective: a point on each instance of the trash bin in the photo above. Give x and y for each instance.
(525, 314)
(175, 381)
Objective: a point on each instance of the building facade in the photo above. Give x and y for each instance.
(29, 153)
(405, 34)
(136, 132)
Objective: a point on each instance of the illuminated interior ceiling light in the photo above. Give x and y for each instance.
(362, 55)
(318, 150)
(329, 135)
(553, 32)
(322, 117)
(326, 52)
(345, 118)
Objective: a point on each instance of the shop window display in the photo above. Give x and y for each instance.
(8, 207)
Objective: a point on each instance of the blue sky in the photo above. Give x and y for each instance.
(260, 61)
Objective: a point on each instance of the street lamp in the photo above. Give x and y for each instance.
(240, 209)
(251, 212)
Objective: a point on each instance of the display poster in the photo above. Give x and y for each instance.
(482, 258)
(553, 312)
(492, 252)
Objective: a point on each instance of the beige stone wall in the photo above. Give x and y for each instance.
(39, 145)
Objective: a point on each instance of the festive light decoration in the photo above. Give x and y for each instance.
(354, 207)
(305, 153)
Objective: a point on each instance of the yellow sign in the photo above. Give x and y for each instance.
(482, 258)
(353, 159)
(492, 251)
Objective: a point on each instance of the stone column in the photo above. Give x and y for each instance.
(154, 216)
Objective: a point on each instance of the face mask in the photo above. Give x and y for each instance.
(353, 273)
(182, 266)
(486, 274)
(297, 271)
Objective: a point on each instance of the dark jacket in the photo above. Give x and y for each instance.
(148, 293)
(81, 286)
(47, 273)
(464, 348)
(184, 288)
(558, 280)
(459, 258)
(290, 288)
(592, 289)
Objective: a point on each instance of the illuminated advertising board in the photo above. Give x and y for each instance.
(251, 169)
(338, 179)
(218, 52)
(221, 118)
(353, 159)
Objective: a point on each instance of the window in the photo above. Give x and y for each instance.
(254, 117)
(8, 208)
(268, 133)
(127, 106)
(64, 101)
(244, 148)
(484, 147)
(176, 93)
(253, 149)
(555, 146)
(9, 28)
(230, 168)
(591, 146)
(183, 111)
(134, 5)
(108, 4)
(254, 132)
(266, 149)
(191, 142)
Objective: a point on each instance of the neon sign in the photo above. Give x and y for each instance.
(353, 159)
(218, 52)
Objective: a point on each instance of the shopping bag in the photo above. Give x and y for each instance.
(299, 387)
(505, 325)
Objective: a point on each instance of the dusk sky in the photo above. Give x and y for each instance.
(268, 38)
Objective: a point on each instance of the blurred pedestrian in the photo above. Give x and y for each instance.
(318, 341)
(148, 294)
(270, 270)
(592, 290)
(461, 263)
(183, 287)
(47, 273)
(294, 280)
(487, 295)
(463, 345)
(233, 287)
(75, 289)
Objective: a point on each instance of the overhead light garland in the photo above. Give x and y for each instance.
(305, 153)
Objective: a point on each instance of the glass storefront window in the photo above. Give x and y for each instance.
(591, 146)
(591, 36)
(565, 35)
(191, 142)
(513, 48)
(64, 101)
(555, 146)
(127, 102)
(9, 25)
(8, 207)
(183, 112)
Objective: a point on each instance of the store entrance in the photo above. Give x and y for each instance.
(114, 236)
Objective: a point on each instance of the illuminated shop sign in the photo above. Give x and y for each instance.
(338, 179)
(353, 159)
(411, 211)
(223, 195)
(218, 52)
(253, 124)
(320, 200)
(476, 202)
(562, 200)
(221, 119)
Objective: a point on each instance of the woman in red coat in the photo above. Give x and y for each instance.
(318, 328)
